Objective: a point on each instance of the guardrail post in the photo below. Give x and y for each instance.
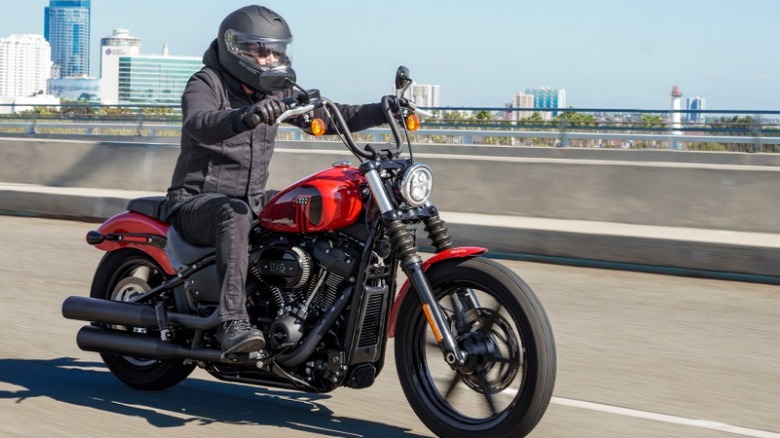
(755, 130)
(564, 138)
(33, 128)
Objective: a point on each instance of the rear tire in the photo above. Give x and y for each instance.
(506, 386)
(121, 275)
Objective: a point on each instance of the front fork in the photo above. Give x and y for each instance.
(402, 243)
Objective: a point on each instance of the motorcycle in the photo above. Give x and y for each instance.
(474, 349)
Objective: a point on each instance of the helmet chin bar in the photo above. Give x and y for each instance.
(277, 79)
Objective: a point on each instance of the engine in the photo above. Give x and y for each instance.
(299, 278)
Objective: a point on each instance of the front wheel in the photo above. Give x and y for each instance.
(121, 276)
(506, 384)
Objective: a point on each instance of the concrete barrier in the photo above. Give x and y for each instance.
(668, 196)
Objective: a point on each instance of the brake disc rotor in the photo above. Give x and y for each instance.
(494, 354)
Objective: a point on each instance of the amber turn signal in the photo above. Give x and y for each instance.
(318, 127)
(412, 122)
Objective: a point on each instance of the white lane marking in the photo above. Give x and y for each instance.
(704, 424)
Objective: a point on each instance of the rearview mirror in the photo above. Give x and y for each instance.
(402, 79)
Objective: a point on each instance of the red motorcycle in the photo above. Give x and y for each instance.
(474, 350)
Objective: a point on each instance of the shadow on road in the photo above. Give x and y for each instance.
(195, 401)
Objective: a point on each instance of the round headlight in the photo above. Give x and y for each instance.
(417, 184)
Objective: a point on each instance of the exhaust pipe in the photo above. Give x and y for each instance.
(303, 351)
(109, 312)
(130, 314)
(90, 338)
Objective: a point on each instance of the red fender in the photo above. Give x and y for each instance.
(452, 253)
(130, 222)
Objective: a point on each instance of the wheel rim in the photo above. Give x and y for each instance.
(485, 390)
(133, 278)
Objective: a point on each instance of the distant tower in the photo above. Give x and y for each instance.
(696, 105)
(67, 29)
(676, 116)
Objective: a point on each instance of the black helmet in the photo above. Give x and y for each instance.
(253, 48)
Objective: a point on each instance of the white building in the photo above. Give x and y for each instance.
(424, 95)
(25, 65)
(119, 44)
(522, 100)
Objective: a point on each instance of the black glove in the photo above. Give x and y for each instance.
(265, 111)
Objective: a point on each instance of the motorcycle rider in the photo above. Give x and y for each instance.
(228, 134)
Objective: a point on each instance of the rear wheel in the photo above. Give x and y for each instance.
(507, 382)
(121, 276)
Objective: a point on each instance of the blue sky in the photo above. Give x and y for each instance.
(605, 53)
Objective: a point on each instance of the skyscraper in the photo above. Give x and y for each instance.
(25, 65)
(546, 97)
(521, 100)
(696, 104)
(425, 95)
(67, 29)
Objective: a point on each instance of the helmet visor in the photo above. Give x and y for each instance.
(265, 53)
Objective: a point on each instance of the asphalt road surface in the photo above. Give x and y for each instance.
(639, 355)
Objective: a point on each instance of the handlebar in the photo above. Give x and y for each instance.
(307, 102)
(294, 112)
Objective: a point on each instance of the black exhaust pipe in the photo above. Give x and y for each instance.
(304, 350)
(110, 312)
(90, 338)
(130, 314)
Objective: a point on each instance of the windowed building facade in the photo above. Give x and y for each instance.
(25, 65)
(67, 29)
(154, 80)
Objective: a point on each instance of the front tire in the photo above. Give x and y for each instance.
(507, 382)
(120, 276)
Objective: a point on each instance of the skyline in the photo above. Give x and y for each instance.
(605, 53)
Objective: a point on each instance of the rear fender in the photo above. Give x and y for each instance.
(133, 230)
(452, 253)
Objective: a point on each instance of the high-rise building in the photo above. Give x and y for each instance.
(425, 95)
(25, 65)
(696, 104)
(154, 79)
(521, 100)
(119, 44)
(67, 29)
(546, 97)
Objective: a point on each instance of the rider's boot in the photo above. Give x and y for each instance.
(238, 336)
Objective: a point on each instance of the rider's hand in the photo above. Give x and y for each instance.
(265, 111)
(399, 107)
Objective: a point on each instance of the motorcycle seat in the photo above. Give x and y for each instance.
(152, 206)
(182, 252)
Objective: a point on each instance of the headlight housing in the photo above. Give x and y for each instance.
(417, 184)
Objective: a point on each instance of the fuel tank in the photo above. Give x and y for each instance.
(326, 201)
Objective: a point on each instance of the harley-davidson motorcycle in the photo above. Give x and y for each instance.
(474, 349)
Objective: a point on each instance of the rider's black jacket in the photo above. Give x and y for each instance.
(218, 153)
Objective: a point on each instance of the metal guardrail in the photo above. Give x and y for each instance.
(468, 136)
(751, 136)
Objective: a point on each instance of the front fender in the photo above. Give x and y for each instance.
(134, 228)
(452, 253)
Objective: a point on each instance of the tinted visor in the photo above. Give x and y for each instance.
(266, 53)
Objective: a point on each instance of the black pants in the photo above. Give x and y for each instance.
(224, 223)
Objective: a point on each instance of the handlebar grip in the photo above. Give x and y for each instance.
(251, 120)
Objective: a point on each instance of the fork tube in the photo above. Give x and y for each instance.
(435, 316)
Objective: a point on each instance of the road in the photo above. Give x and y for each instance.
(639, 355)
